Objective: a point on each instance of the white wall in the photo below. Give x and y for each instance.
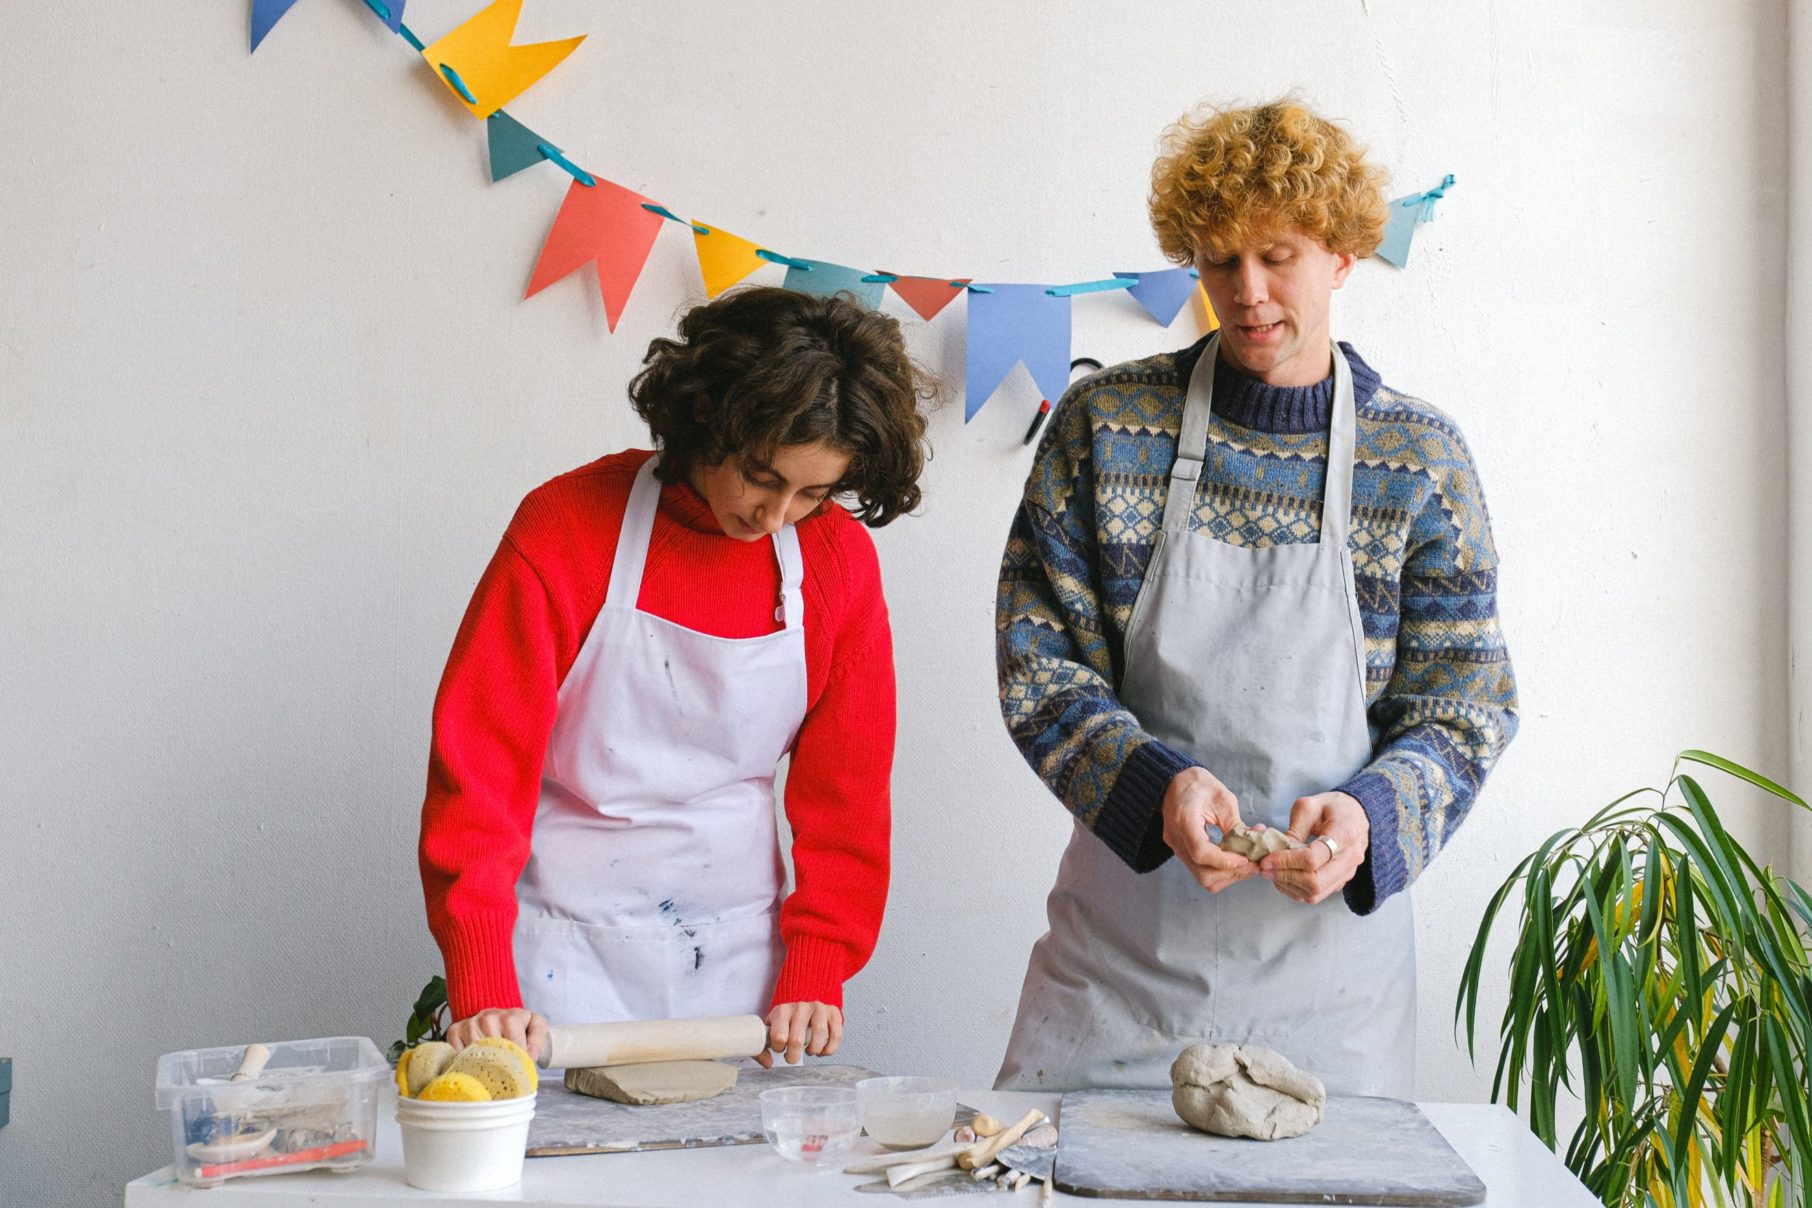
(1799, 413)
(268, 396)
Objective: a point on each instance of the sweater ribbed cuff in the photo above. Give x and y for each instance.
(480, 957)
(1382, 872)
(812, 972)
(1131, 822)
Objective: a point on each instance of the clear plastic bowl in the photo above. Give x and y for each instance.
(907, 1113)
(811, 1124)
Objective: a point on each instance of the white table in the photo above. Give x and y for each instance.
(1516, 1169)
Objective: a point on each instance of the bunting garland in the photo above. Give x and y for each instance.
(480, 65)
(723, 258)
(1406, 214)
(926, 295)
(1163, 294)
(1011, 324)
(613, 228)
(512, 145)
(817, 277)
(266, 13)
(604, 225)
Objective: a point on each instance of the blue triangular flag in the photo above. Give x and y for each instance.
(513, 145)
(1162, 293)
(1406, 213)
(827, 279)
(1010, 324)
(266, 13)
(391, 11)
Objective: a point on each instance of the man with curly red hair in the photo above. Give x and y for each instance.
(1248, 585)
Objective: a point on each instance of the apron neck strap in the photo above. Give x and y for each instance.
(791, 612)
(1337, 489)
(632, 552)
(1192, 441)
(1192, 448)
(632, 540)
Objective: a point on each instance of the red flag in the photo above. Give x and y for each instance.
(927, 295)
(602, 224)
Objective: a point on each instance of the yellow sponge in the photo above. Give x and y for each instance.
(497, 1071)
(455, 1087)
(503, 1043)
(421, 1065)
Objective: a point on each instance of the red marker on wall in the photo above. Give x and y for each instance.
(1044, 409)
(1044, 405)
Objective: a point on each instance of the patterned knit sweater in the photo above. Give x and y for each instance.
(1440, 694)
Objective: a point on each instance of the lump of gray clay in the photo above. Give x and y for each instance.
(1241, 1090)
(1255, 843)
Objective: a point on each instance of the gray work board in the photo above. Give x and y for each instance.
(1130, 1145)
(569, 1123)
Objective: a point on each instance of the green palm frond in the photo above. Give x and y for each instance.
(1660, 976)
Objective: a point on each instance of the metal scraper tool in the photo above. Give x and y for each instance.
(1035, 1153)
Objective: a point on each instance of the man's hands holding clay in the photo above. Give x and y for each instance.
(1194, 802)
(1336, 835)
(1308, 871)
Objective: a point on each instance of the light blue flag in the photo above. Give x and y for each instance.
(266, 13)
(1163, 293)
(826, 279)
(1407, 213)
(1010, 324)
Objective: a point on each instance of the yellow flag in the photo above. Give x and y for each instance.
(481, 57)
(724, 259)
(1210, 320)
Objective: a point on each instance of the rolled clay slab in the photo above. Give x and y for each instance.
(653, 1082)
(1240, 1090)
(1255, 843)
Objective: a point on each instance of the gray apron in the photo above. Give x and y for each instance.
(1250, 660)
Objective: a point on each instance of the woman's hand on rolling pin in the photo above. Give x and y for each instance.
(521, 1025)
(1338, 834)
(796, 1028)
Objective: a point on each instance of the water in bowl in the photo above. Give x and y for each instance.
(811, 1140)
(906, 1124)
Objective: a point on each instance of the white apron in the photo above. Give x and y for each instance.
(653, 886)
(1250, 660)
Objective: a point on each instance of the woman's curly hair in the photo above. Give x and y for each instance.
(1226, 176)
(762, 367)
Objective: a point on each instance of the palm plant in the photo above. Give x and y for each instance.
(1660, 975)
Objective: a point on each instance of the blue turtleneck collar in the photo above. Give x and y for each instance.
(1250, 403)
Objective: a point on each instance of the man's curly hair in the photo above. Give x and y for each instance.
(1229, 175)
(761, 367)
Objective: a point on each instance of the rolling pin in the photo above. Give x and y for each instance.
(580, 1045)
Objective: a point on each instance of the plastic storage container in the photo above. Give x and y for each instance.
(314, 1104)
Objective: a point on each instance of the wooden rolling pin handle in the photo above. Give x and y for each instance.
(583, 1045)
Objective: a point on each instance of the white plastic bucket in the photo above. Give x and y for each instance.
(464, 1146)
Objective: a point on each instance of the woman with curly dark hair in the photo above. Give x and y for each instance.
(655, 632)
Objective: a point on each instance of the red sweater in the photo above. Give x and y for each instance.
(522, 631)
